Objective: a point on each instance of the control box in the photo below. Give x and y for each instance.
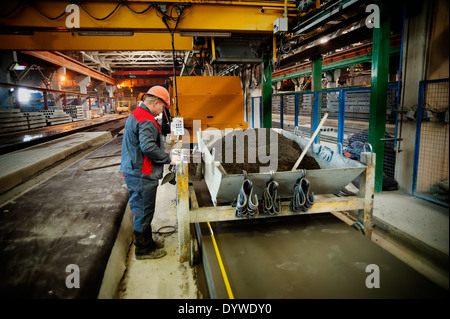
(177, 126)
(280, 25)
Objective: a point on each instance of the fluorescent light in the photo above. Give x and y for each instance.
(18, 67)
(105, 33)
(205, 34)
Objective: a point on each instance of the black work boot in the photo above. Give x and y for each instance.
(158, 243)
(145, 248)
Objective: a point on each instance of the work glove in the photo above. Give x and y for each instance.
(324, 152)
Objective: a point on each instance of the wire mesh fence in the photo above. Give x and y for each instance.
(346, 129)
(431, 164)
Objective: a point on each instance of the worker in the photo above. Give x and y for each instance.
(143, 159)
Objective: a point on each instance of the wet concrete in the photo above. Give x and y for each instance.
(309, 256)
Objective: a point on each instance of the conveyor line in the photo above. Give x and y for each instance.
(307, 256)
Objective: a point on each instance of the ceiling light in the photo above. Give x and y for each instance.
(18, 67)
(205, 34)
(105, 33)
(324, 40)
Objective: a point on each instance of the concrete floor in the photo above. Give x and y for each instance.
(164, 278)
(408, 217)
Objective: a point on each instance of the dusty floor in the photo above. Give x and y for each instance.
(164, 278)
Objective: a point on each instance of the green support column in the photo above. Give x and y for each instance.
(317, 73)
(267, 95)
(316, 87)
(378, 90)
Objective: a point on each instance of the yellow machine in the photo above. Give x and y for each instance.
(209, 102)
(123, 106)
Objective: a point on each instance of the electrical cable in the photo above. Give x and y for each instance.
(13, 10)
(43, 14)
(160, 232)
(172, 32)
(104, 18)
(138, 12)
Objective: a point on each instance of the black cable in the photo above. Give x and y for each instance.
(138, 12)
(42, 13)
(159, 232)
(106, 17)
(172, 32)
(12, 11)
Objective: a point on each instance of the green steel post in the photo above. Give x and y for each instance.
(316, 87)
(378, 90)
(267, 94)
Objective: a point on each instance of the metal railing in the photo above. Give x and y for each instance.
(348, 117)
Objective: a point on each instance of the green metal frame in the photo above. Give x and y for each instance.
(378, 89)
(334, 65)
(267, 95)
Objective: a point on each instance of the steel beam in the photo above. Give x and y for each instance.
(378, 89)
(69, 41)
(61, 60)
(316, 87)
(234, 16)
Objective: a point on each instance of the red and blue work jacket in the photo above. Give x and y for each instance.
(142, 145)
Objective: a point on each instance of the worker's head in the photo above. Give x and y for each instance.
(141, 97)
(154, 104)
(159, 92)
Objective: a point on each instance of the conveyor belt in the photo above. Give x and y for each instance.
(308, 256)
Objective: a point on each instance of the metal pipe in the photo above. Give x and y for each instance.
(399, 86)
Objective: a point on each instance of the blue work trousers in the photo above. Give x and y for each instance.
(142, 198)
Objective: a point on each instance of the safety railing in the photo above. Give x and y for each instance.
(431, 163)
(346, 129)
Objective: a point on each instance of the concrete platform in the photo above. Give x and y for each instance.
(19, 166)
(71, 219)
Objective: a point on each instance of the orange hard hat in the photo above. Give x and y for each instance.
(161, 93)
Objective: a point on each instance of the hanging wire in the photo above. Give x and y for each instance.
(34, 6)
(138, 12)
(12, 10)
(104, 18)
(165, 18)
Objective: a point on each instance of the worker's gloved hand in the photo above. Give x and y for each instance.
(175, 159)
(316, 148)
(326, 153)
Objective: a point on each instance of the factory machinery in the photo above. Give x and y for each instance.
(237, 234)
(224, 188)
